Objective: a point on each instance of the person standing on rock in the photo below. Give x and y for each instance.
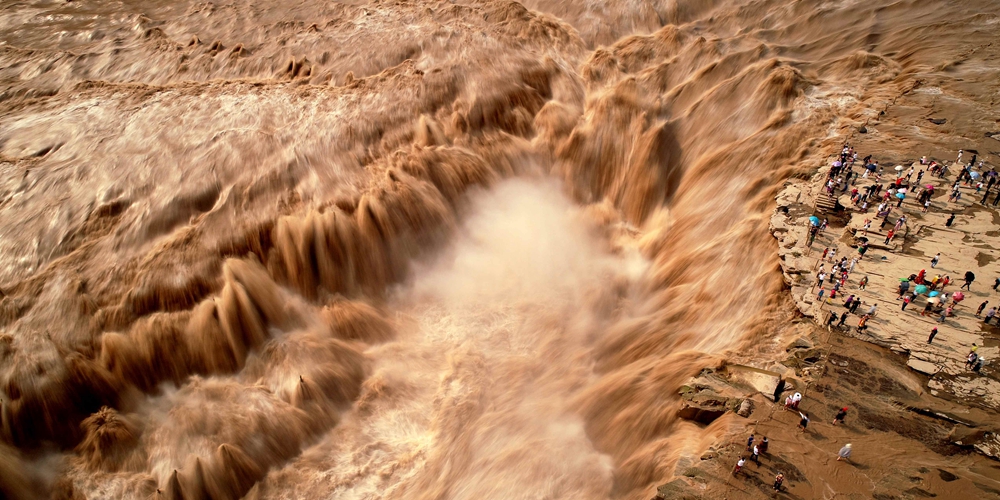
(982, 306)
(833, 254)
(989, 315)
(843, 318)
(803, 421)
(969, 278)
(819, 296)
(889, 235)
(750, 441)
(864, 283)
(780, 478)
(970, 360)
(935, 260)
(763, 445)
(900, 222)
(841, 415)
(950, 220)
(996, 284)
(844, 453)
(934, 332)
(906, 302)
(831, 319)
(739, 465)
(927, 309)
(855, 305)
(871, 310)
(945, 313)
(756, 455)
(863, 324)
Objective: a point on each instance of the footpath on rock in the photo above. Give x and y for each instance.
(922, 424)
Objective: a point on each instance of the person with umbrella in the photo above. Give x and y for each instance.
(969, 278)
(928, 306)
(957, 297)
(900, 196)
(934, 332)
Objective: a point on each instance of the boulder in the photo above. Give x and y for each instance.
(767, 382)
(923, 366)
(746, 408)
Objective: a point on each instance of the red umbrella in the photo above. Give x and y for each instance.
(958, 296)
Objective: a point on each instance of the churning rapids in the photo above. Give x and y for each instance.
(412, 250)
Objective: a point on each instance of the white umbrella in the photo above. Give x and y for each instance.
(901, 190)
(899, 168)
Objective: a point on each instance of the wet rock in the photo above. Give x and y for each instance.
(678, 489)
(700, 415)
(946, 476)
(985, 442)
(800, 343)
(702, 407)
(940, 415)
